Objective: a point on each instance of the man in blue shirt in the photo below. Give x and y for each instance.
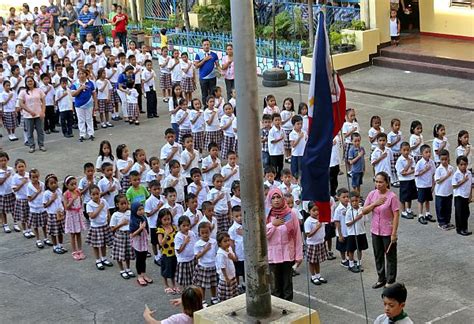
(206, 61)
(85, 20)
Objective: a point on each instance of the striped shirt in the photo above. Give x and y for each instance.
(43, 22)
(85, 18)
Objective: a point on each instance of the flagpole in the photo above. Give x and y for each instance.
(258, 298)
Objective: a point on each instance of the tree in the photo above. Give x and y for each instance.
(186, 15)
(311, 23)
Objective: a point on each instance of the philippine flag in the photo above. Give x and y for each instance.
(327, 106)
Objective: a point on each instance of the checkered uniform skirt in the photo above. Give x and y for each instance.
(213, 136)
(223, 222)
(187, 85)
(394, 162)
(227, 290)
(228, 144)
(316, 253)
(7, 203)
(287, 143)
(22, 211)
(205, 277)
(114, 97)
(236, 146)
(125, 183)
(185, 272)
(105, 106)
(9, 120)
(133, 110)
(38, 220)
(122, 248)
(198, 140)
(183, 132)
(55, 226)
(165, 81)
(100, 236)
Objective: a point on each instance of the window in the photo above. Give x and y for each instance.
(462, 3)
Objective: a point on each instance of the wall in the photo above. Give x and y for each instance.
(437, 17)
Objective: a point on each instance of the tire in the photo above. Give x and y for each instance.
(274, 84)
(275, 75)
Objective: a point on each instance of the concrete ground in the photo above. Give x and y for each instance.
(436, 266)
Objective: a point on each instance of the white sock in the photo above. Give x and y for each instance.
(317, 276)
(408, 210)
(427, 213)
(97, 261)
(404, 213)
(157, 257)
(313, 277)
(103, 258)
(351, 263)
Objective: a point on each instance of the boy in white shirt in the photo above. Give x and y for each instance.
(183, 120)
(276, 137)
(230, 171)
(8, 100)
(236, 233)
(189, 157)
(356, 237)
(462, 184)
(211, 164)
(341, 227)
(50, 114)
(94, 59)
(444, 191)
(176, 209)
(171, 150)
(198, 187)
(405, 167)
(298, 139)
(220, 198)
(148, 84)
(192, 212)
(63, 100)
(228, 142)
(424, 172)
(381, 158)
(269, 174)
(152, 206)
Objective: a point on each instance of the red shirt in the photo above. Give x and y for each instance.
(121, 26)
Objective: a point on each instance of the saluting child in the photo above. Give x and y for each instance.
(52, 202)
(184, 245)
(225, 259)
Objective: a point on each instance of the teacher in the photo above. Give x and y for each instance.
(285, 245)
(384, 206)
(206, 61)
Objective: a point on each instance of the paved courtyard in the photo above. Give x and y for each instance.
(436, 266)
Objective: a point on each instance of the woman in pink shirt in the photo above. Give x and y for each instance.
(285, 246)
(228, 70)
(384, 205)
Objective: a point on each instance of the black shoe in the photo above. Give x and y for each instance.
(54, 131)
(157, 262)
(331, 256)
(430, 218)
(354, 269)
(422, 220)
(107, 263)
(378, 284)
(464, 233)
(81, 139)
(345, 264)
(407, 216)
(47, 131)
(92, 138)
(142, 112)
(156, 116)
(75, 126)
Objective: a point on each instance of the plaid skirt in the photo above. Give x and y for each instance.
(205, 277)
(122, 248)
(133, 110)
(125, 183)
(287, 143)
(223, 222)
(105, 106)
(185, 272)
(165, 81)
(100, 236)
(236, 146)
(393, 162)
(55, 226)
(345, 151)
(183, 132)
(38, 220)
(198, 140)
(114, 97)
(7, 203)
(227, 290)
(316, 253)
(228, 144)
(9, 120)
(22, 211)
(213, 136)
(187, 85)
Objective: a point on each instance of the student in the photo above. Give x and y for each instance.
(462, 190)
(444, 191)
(286, 121)
(276, 137)
(225, 259)
(174, 66)
(189, 157)
(84, 188)
(152, 206)
(19, 184)
(124, 166)
(148, 84)
(176, 181)
(198, 187)
(213, 132)
(64, 104)
(183, 120)
(269, 105)
(7, 197)
(440, 142)
(236, 234)
(416, 140)
(381, 157)
(297, 138)
(174, 107)
(52, 202)
(38, 215)
(74, 224)
(208, 217)
(269, 174)
(394, 28)
(197, 124)
(230, 171)
(464, 148)
(166, 234)
(235, 190)
(394, 140)
(155, 172)
(316, 253)
(394, 298)
(228, 143)
(171, 150)
(188, 82)
(211, 164)
(184, 246)
(267, 125)
(334, 162)
(140, 165)
(50, 114)
(109, 186)
(139, 236)
(375, 129)
(424, 172)
(341, 227)
(349, 127)
(104, 100)
(405, 167)
(8, 99)
(356, 159)
(165, 74)
(356, 237)
(220, 198)
(133, 108)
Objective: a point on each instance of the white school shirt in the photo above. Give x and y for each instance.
(137, 167)
(49, 97)
(29, 37)
(347, 127)
(137, 72)
(294, 190)
(36, 205)
(176, 211)
(464, 190)
(101, 219)
(318, 237)
(132, 96)
(235, 201)
(104, 185)
(224, 262)
(64, 104)
(461, 150)
(392, 137)
(166, 151)
(274, 184)
(270, 111)
(335, 151)
(445, 188)
(134, 52)
(221, 206)
(202, 196)
(122, 164)
(340, 216)
(55, 81)
(83, 183)
(214, 126)
(219, 106)
(103, 94)
(16, 181)
(285, 114)
(6, 187)
(101, 160)
(184, 66)
(171, 107)
(187, 254)
(63, 52)
(276, 148)
(413, 139)
(226, 170)
(298, 150)
(10, 105)
(148, 85)
(115, 51)
(86, 45)
(229, 132)
(185, 158)
(233, 102)
(178, 186)
(73, 55)
(207, 162)
(386, 164)
(238, 241)
(400, 166)
(193, 218)
(112, 74)
(186, 124)
(199, 124)
(176, 72)
(358, 227)
(95, 61)
(373, 133)
(151, 204)
(234, 126)
(118, 217)
(436, 144)
(12, 46)
(152, 175)
(162, 60)
(208, 260)
(426, 180)
(57, 204)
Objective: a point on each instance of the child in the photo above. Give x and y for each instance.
(356, 159)
(208, 212)
(174, 65)
(334, 162)
(235, 189)
(303, 112)
(416, 140)
(375, 129)
(198, 187)
(211, 164)
(230, 171)
(440, 142)
(267, 125)
(73, 224)
(236, 234)
(269, 105)
(165, 74)
(38, 215)
(104, 100)
(175, 209)
(424, 172)
(133, 109)
(166, 234)
(205, 275)
(381, 157)
(152, 206)
(330, 230)
(124, 164)
(276, 137)
(394, 298)
(197, 124)
(184, 245)
(228, 143)
(8, 100)
(269, 173)
(137, 192)
(225, 259)
(394, 140)
(464, 148)
(140, 165)
(189, 157)
(188, 82)
(19, 186)
(213, 131)
(171, 150)
(183, 120)
(356, 237)
(341, 227)
(444, 191)
(50, 114)
(349, 127)
(220, 199)
(176, 180)
(139, 241)
(109, 186)
(298, 138)
(155, 172)
(99, 235)
(52, 202)
(148, 84)
(394, 28)
(287, 125)
(462, 190)
(405, 167)
(192, 212)
(174, 107)
(316, 252)
(7, 197)
(64, 104)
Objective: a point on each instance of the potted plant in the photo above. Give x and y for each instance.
(347, 43)
(335, 39)
(357, 25)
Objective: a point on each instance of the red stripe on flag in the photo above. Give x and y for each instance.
(324, 211)
(339, 108)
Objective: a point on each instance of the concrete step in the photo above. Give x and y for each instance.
(397, 53)
(423, 67)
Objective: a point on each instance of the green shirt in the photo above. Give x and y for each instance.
(112, 15)
(139, 194)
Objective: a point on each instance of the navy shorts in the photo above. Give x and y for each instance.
(341, 247)
(424, 194)
(408, 191)
(153, 236)
(357, 179)
(330, 230)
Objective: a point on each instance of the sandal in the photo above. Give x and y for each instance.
(316, 281)
(169, 291)
(148, 280)
(177, 291)
(142, 282)
(131, 274)
(58, 250)
(124, 275)
(48, 242)
(107, 263)
(99, 265)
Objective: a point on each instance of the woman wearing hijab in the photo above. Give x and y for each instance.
(285, 245)
(139, 233)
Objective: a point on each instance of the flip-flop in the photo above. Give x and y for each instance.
(148, 280)
(169, 291)
(142, 283)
